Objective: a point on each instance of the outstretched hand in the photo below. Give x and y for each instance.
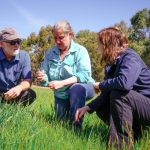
(80, 112)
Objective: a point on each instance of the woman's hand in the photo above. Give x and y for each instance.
(96, 87)
(40, 74)
(80, 112)
(54, 85)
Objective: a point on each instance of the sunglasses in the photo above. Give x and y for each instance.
(14, 42)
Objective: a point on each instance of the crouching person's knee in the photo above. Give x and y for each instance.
(27, 97)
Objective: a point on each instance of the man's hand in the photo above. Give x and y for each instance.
(13, 93)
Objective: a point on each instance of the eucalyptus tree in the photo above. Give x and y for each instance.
(140, 34)
(89, 40)
(141, 21)
(38, 44)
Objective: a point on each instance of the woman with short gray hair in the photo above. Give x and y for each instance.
(67, 71)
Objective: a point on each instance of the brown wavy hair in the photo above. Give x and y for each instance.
(113, 42)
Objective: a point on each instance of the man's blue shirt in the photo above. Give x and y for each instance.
(15, 70)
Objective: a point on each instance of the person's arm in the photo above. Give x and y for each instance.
(125, 76)
(59, 84)
(80, 112)
(83, 63)
(15, 91)
(25, 85)
(25, 78)
(95, 104)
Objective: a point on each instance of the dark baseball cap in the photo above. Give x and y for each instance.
(8, 34)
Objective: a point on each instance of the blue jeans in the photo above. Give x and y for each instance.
(79, 93)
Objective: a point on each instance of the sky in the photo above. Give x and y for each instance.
(28, 16)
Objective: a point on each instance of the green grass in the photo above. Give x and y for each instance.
(35, 128)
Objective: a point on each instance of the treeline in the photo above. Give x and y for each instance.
(138, 34)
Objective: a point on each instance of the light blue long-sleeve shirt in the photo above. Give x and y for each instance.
(76, 63)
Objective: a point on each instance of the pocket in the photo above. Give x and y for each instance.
(54, 69)
(66, 71)
(17, 75)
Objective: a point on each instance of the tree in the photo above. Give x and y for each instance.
(24, 44)
(141, 21)
(89, 40)
(45, 38)
(37, 45)
(123, 27)
(140, 32)
(146, 53)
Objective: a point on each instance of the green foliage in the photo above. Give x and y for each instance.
(24, 44)
(140, 34)
(37, 45)
(139, 47)
(32, 39)
(89, 40)
(141, 19)
(146, 53)
(45, 38)
(140, 25)
(123, 27)
(136, 35)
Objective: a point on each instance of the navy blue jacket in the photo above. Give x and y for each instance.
(129, 72)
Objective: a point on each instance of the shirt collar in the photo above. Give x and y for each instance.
(72, 46)
(71, 49)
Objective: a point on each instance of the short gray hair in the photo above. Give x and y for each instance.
(64, 25)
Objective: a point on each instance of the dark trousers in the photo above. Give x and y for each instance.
(127, 113)
(26, 98)
(78, 94)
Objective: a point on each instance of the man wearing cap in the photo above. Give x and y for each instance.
(15, 70)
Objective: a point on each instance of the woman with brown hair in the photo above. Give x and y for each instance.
(124, 101)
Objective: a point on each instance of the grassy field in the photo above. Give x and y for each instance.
(35, 128)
